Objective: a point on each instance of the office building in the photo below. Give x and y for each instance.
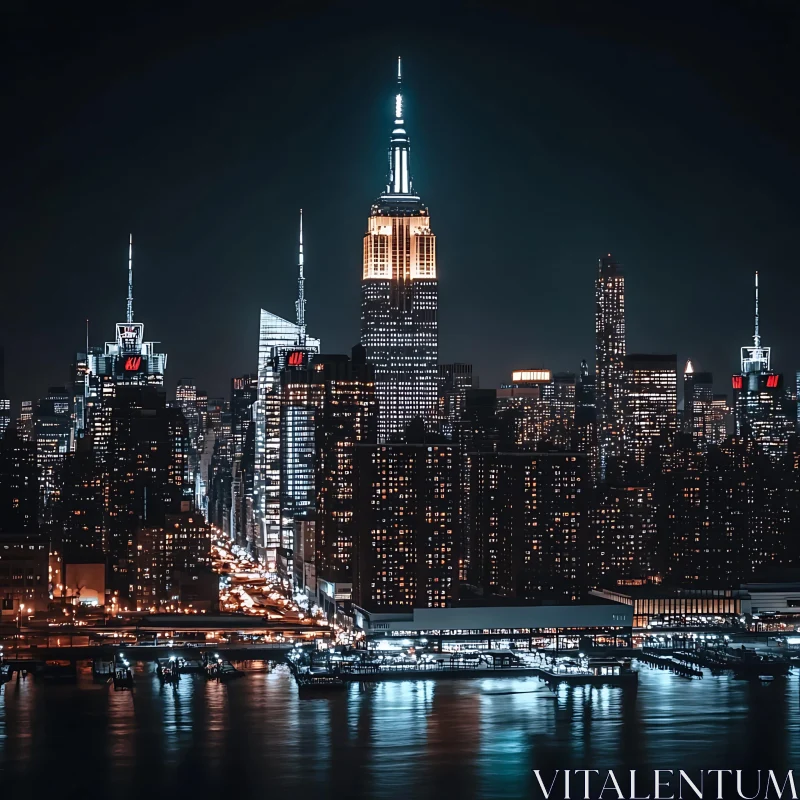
(25, 421)
(147, 473)
(586, 418)
(454, 382)
(301, 396)
(24, 575)
(609, 356)
(19, 485)
(762, 409)
(53, 437)
(278, 338)
(127, 361)
(650, 408)
(244, 391)
(5, 403)
(400, 294)
(80, 512)
(698, 406)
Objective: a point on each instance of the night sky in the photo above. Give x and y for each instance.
(665, 134)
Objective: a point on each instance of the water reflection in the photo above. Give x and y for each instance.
(465, 739)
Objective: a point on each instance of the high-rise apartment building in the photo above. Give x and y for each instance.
(650, 404)
(624, 533)
(529, 523)
(609, 355)
(400, 293)
(406, 524)
(346, 417)
(25, 421)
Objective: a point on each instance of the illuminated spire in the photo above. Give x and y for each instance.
(300, 304)
(130, 279)
(399, 145)
(689, 368)
(757, 335)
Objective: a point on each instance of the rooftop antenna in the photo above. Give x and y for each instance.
(130, 279)
(300, 304)
(757, 335)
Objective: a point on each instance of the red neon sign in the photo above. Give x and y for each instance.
(737, 381)
(133, 363)
(772, 381)
(295, 358)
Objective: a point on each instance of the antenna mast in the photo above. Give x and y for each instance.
(130, 279)
(300, 305)
(757, 336)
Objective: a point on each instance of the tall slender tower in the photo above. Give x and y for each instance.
(761, 404)
(400, 293)
(610, 357)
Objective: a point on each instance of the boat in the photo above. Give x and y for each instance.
(167, 670)
(226, 671)
(189, 665)
(319, 680)
(766, 678)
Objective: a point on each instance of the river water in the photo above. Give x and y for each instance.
(255, 737)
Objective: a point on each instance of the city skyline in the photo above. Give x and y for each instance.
(552, 312)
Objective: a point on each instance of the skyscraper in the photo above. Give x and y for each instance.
(346, 417)
(278, 339)
(127, 361)
(609, 355)
(400, 293)
(650, 404)
(762, 411)
(53, 435)
(5, 403)
(586, 417)
(454, 381)
(698, 406)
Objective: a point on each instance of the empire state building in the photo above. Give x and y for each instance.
(400, 293)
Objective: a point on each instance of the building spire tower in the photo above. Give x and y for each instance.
(129, 316)
(300, 303)
(400, 294)
(756, 358)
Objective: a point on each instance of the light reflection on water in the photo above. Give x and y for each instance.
(465, 739)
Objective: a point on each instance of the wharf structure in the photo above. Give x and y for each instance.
(528, 627)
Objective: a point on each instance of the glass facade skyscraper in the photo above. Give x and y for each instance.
(400, 294)
(278, 340)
